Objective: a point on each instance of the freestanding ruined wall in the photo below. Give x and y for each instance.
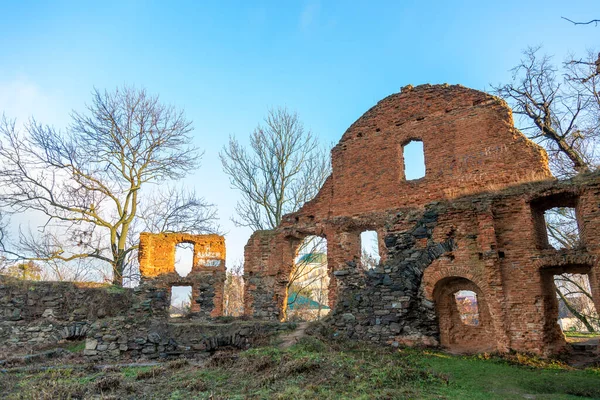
(127, 322)
(207, 278)
(474, 222)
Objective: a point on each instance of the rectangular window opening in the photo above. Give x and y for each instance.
(184, 258)
(468, 309)
(369, 249)
(414, 160)
(181, 301)
(561, 228)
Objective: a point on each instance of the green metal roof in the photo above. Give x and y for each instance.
(296, 302)
(313, 258)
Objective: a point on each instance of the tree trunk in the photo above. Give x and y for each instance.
(118, 272)
(576, 313)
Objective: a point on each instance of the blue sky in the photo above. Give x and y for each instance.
(227, 62)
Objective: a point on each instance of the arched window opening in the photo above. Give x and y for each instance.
(308, 287)
(464, 318)
(414, 160)
(181, 301)
(184, 258)
(369, 249)
(468, 309)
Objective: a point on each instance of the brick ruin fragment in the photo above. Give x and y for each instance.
(474, 222)
(207, 278)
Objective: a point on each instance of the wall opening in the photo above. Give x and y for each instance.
(369, 249)
(562, 230)
(569, 311)
(414, 160)
(466, 303)
(181, 301)
(556, 222)
(308, 288)
(464, 319)
(184, 258)
(576, 309)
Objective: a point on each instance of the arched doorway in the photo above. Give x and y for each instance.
(464, 318)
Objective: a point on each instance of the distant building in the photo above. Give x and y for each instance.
(313, 283)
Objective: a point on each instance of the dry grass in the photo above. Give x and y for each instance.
(315, 369)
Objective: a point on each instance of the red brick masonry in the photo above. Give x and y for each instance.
(474, 222)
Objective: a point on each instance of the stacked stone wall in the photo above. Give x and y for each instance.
(40, 314)
(125, 322)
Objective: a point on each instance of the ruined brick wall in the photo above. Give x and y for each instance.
(469, 142)
(207, 278)
(474, 222)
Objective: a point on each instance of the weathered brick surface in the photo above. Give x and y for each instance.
(157, 268)
(474, 222)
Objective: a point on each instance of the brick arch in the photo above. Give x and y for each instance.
(440, 269)
(454, 334)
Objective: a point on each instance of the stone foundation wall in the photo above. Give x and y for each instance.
(130, 323)
(30, 300)
(116, 323)
(120, 340)
(41, 314)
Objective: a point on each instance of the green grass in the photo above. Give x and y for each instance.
(313, 369)
(115, 289)
(575, 334)
(500, 378)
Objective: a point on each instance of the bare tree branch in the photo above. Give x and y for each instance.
(593, 21)
(561, 111)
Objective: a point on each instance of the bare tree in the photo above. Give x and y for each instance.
(283, 169)
(233, 292)
(89, 182)
(559, 108)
